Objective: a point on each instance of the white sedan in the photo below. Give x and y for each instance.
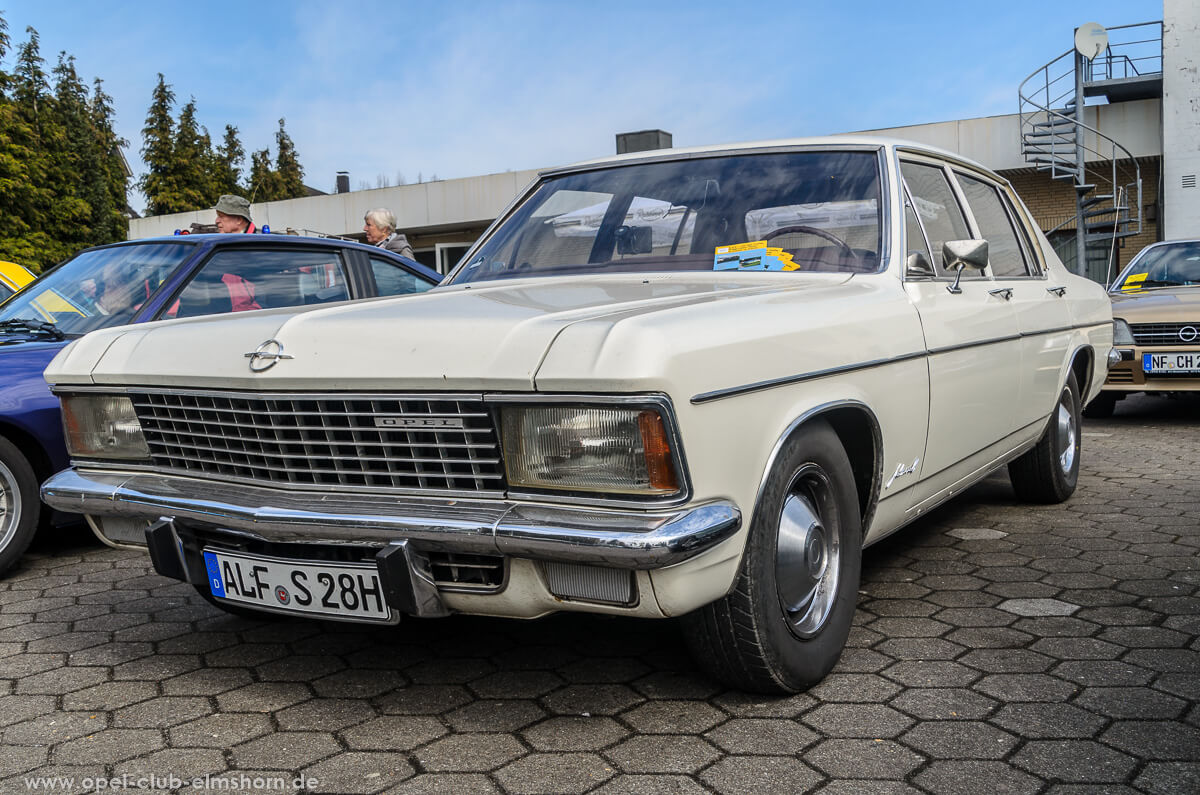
(690, 383)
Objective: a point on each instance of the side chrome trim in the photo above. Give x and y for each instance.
(719, 394)
(616, 538)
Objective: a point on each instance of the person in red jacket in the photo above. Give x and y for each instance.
(233, 215)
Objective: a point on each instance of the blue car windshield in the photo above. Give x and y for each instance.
(98, 288)
(809, 210)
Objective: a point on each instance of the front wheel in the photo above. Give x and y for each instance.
(783, 627)
(19, 504)
(1048, 473)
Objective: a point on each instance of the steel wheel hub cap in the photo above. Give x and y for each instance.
(1066, 432)
(806, 565)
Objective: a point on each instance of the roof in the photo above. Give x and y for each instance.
(830, 141)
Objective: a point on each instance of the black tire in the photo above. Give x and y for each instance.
(1048, 473)
(20, 505)
(765, 636)
(1101, 407)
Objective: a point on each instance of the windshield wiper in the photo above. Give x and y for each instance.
(1160, 283)
(40, 326)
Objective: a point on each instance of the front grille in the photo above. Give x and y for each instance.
(1121, 376)
(326, 440)
(1165, 333)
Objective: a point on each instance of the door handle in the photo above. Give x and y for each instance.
(1003, 292)
(1059, 291)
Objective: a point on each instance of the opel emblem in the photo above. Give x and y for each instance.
(1188, 333)
(266, 355)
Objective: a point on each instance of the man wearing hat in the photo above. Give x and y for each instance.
(233, 215)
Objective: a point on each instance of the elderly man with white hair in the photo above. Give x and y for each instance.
(380, 226)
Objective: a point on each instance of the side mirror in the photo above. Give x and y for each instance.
(958, 255)
(634, 239)
(917, 264)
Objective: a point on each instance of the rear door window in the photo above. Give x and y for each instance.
(240, 280)
(391, 278)
(1006, 255)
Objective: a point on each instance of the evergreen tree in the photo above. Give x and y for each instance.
(108, 218)
(158, 152)
(287, 165)
(228, 167)
(35, 136)
(191, 158)
(76, 168)
(265, 184)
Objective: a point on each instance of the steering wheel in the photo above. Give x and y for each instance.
(810, 230)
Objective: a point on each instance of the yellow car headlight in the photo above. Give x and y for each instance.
(585, 448)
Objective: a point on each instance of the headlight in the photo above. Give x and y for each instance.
(1122, 335)
(581, 448)
(102, 426)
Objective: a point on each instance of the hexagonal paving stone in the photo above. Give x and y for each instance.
(162, 712)
(469, 753)
(762, 736)
(516, 684)
(626, 784)
(673, 717)
(20, 759)
(186, 764)
(447, 784)
(206, 682)
(423, 700)
(110, 696)
(857, 720)
(662, 754)
(857, 688)
(358, 684)
(53, 728)
(1048, 721)
(495, 715)
(571, 733)
(868, 759)
(1025, 687)
(1130, 702)
(959, 740)
(263, 697)
(591, 700)
(393, 733)
(285, 750)
(324, 714)
(1076, 761)
(108, 746)
(1159, 740)
(554, 773)
(932, 673)
(359, 772)
(943, 703)
(220, 731)
(759, 774)
(973, 777)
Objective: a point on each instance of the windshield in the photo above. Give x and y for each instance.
(1168, 265)
(799, 211)
(99, 288)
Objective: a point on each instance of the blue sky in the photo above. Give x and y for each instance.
(460, 87)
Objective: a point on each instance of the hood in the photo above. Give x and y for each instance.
(1158, 305)
(491, 336)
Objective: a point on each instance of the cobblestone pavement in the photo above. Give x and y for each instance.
(998, 648)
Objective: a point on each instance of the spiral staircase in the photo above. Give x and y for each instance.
(1056, 138)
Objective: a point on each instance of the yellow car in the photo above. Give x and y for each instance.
(12, 278)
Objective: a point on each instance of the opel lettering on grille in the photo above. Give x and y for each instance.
(410, 423)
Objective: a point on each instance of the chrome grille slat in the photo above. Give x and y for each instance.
(1162, 333)
(325, 440)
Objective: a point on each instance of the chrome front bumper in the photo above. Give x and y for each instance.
(596, 536)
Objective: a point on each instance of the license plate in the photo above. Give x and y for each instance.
(345, 590)
(1171, 362)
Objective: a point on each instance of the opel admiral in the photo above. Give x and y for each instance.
(691, 383)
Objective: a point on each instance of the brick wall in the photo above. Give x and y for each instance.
(1052, 202)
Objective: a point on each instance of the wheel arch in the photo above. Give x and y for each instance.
(30, 447)
(857, 428)
(1083, 364)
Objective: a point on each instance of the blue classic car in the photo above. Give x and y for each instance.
(146, 280)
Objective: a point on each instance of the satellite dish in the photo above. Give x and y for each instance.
(1091, 39)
